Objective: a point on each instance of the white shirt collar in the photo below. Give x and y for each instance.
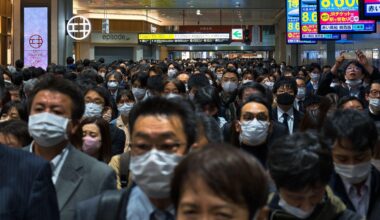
(280, 112)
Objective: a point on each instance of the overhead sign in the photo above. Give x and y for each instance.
(191, 38)
(114, 38)
(309, 22)
(293, 33)
(370, 9)
(237, 34)
(342, 16)
(78, 27)
(36, 41)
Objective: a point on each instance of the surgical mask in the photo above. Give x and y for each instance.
(102, 74)
(301, 93)
(48, 129)
(210, 82)
(153, 171)
(229, 86)
(239, 71)
(353, 173)
(219, 76)
(7, 81)
(285, 99)
(247, 81)
(354, 82)
(191, 96)
(172, 73)
(172, 96)
(374, 103)
(376, 163)
(91, 145)
(314, 76)
(269, 85)
(253, 132)
(112, 85)
(93, 110)
(125, 108)
(297, 212)
(138, 93)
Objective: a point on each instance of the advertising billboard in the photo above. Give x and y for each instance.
(293, 33)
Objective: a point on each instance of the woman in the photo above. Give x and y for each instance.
(125, 102)
(96, 138)
(14, 110)
(173, 88)
(219, 182)
(139, 85)
(113, 82)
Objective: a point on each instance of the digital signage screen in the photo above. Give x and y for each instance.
(185, 38)
(309, 22)
(342, 16)
(293, 33)
(36, 41)
(369, 9)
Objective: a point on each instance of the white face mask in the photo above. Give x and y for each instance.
(353, 173)
(125, 108)
(153, 171)
(314, 76)
(48, 130)
(229, 86)
(172, 73)
(138, 93)
(297, 212)
(210, 82)
(93, 110)
(253, 132)
(354, 82)
(247, 81)
(112, 85)
(375, 104)
(172, 96)
(269, 85)
(301, 93)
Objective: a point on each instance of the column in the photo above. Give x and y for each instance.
(330, 49)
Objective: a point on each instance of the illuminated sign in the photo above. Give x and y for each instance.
(78, 27)
(191, 38)
(370, 9)
(36, 41)
(342, 16)
(293, 33)
(237, 34)
(309, 22)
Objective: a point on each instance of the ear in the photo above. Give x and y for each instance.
(237, 126)
(367, 97)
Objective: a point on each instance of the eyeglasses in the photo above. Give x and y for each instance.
(375, 93)
(168, 147)
(248, 116)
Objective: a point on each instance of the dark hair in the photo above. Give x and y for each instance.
(210, 128)
(20, 107)
(228, 172)
(251, 85)
(352, 125)
(207, 95)
(105, 152)
(19, 64)
(258, 99)
(157, 106)
(125, 92)
(357, 64)
(178, 84)
(17, 128)
(65, 87)
(300, 160)
(108, 100)
(155, 84)
(315, 66)
(198, 81)
(69, 60)
(285, 82)
(141, 77)
(346, 99)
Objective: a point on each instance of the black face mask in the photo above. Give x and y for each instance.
(285, 99)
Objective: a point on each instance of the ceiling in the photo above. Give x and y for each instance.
(182, 12)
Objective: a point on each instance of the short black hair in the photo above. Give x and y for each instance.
(160, 106)
(285, 82)
(207, 95)
(69, 60)
(198, 81)
(357, 64)
(210, 127)
(315, 66)
(300, 160)
(65, 87)
(251, 85)
(20, 107)
(228, 172)
(262, 99)
(342, 101)
(352, 125)
(17, 128)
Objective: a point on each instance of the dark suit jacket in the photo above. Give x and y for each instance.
(298, 116)
(26, 189)
(117, 139)
(81, 177)
(339, 190)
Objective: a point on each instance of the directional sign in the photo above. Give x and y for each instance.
(237, 34)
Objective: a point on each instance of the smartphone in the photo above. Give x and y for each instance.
(349, 55)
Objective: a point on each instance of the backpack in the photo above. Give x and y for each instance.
(112, 203)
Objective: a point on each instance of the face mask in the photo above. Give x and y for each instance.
(138, 93)
(90, 145)
(247, 81)
(112, 85)
(219, 76)
(376, 163)
(239, 71)
(297, 212)
(102, 74)
(153, 171)
(314, 76)
(210, 82)
(254, 132)
(48, 129)
(172, 73)
(7, 82)
(353, 173)
(285, 99)
(172, 96)
(354, 82)
(125, 108)
(212, 69)
(375, 104)
(269, 85)
(332, 85)
(301, 93)
(93, 110)
(229, 86)
(191, 96)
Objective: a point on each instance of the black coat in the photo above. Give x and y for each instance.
(298, 116)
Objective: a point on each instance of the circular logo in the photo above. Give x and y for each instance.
(36, 41)
(78, 27)
(325, 17)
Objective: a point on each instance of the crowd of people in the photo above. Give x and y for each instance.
(190, 139)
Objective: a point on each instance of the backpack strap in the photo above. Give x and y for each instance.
(111, 204)
(124, 169)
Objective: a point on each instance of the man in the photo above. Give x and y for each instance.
(373, 98)
(301, 166)
(229, 84)
(285, 91)
(315, 76)
(55, 108)
(26, 189)
(162, 132)
(352, 136)
(301, 95)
